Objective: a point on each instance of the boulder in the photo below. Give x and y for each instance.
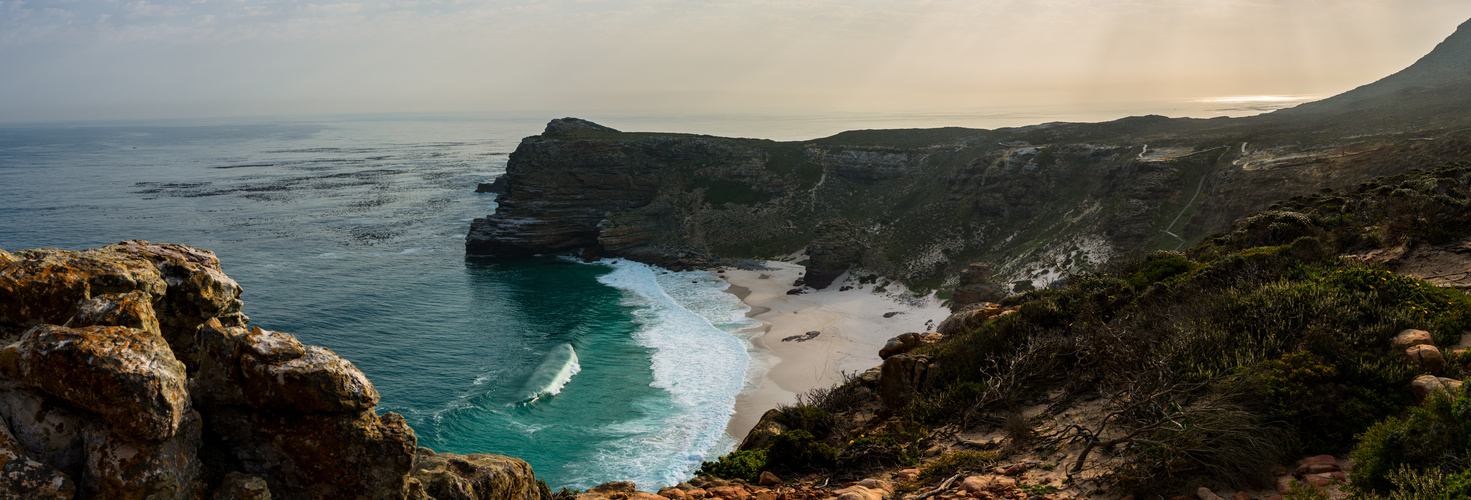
(766, 429)
(119, 467)
(23, 477)
(1424, 385)
(273, 370)
(903, 375)
(859, 493)
(319, 455)
(977, 285)
(768, 479)
(447, 476)
(240, 486)
(133, 310)
(968, 320)
(127, 376)
(835, 247)
(47, 285)
(1204, 493)
(1318, 464)
(48, 433)
(909, 342)
(1410, 338)
(1427, 357)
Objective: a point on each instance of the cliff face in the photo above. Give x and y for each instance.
(130, 373)
(1037, 202)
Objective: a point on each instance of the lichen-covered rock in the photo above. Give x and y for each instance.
(49, 433)
(125, 469)
(240, 486)
(197, 291)
(477, 476)
(765, 431)
(273, 370)
(1410, 338)
(127, 376)
(977, 286)
(133, 310)
(903, 376)
(47, 285)
(319, 455)
(968, 320)
(22, 477)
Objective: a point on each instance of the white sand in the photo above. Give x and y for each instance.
(852, 325)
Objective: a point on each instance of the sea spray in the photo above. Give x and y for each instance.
(687, 322)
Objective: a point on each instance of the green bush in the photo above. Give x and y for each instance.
(957, 461)
(1433, 436)
(796, 451)
(812, 419)
(741, 464)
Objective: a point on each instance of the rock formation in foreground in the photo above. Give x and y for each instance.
(129, 372)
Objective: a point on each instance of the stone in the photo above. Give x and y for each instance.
(767, 495)
(906, 475)
(697, 493)
(672, 493)
(768, 479)
(877, 484)
(909, 342)
(447, 476)
(859, 493)
(317, 381)
(836, 246)
(1013, 470)
(133, 310)
(1325, 478)
(319, 455)
(977, 285)
(730, 492)
(969, 320)
(1424, 385)
(1206, 494)
(1318, 464)
(1427, 357)
(1285, 484)
(49, 433)
(23, 477)
(764, 432)
(118, 467)
(498, 186)
(1241, 495)
(974, 484)
(1410, 338)
(903, 375)
(240, 486)
(47, 285)
(127, 376)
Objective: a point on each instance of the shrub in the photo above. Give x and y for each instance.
(814, 420)
(955, 462)
(1433, 436)
(798, 452)
(741, 464)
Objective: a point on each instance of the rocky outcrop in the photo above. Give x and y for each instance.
(903, 376)
(835, 248)
(121, 359)
(977, 285)
(498, 186)
(447, 476)
(909, 342)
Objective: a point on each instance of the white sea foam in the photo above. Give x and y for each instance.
(686, 319)
(554, 372)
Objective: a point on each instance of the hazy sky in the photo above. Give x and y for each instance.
(83, 59)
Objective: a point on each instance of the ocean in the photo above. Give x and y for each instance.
(348, 231)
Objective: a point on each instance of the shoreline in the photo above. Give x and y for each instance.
(851, 325)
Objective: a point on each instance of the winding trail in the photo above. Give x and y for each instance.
(1184, 209)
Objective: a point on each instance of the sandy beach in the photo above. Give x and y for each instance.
(851, 329)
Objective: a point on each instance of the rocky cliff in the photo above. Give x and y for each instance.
(128, 372)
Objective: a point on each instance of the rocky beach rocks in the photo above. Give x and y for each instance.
(130, 373)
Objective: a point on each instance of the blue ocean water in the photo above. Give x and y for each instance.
(349, 232)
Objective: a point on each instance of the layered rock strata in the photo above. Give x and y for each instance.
(128, 372)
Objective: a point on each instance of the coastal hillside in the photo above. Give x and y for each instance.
(1037, 202)
(1314, 350)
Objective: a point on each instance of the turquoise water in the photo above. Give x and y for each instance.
(349, 233)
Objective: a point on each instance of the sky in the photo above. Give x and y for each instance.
(146, 59)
